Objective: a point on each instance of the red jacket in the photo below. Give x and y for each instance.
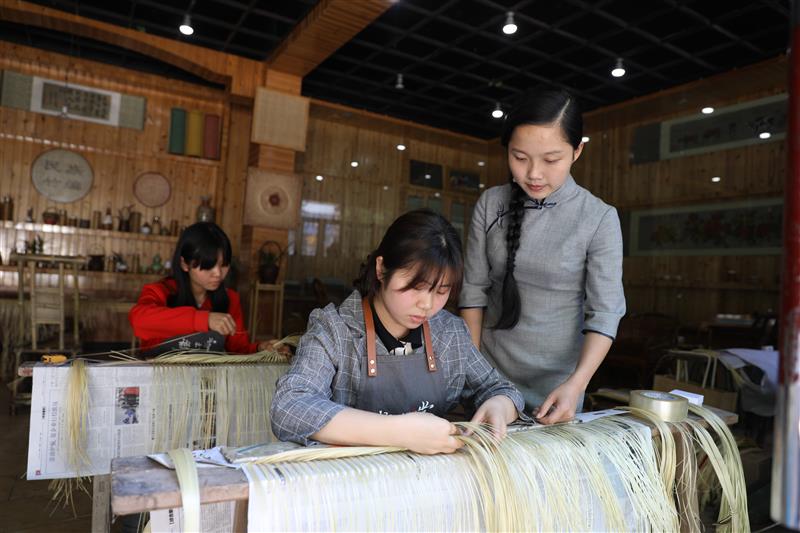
(153, 322)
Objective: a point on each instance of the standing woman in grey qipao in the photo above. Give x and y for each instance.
(542, 292)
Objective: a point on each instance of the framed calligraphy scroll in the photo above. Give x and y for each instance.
(61, 175)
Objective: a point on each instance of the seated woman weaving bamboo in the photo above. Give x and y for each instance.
(386, 365)
(192, 308)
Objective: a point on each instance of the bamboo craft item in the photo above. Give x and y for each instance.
(609, 469)
(204, 399)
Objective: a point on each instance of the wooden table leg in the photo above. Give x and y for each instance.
(240, 516)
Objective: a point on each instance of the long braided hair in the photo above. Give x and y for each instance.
(538, 107)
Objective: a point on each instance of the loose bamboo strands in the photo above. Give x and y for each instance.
(727, 464)
(724, 459)
(501, 486)
(666, 446)
(304, 455)
(77, 413)
(186, 470)
(77, 422)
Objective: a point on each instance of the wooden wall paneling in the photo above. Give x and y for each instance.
(117, 157)
(240, 74)
(230, 190)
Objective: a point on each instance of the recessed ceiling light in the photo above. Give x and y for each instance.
(498, 111)
(707, 110)
(510, 26)
(584, 139)
(186, 27)
(481, 163)
(427, 176)
(437, 195)
(401, 147)
(354, 164)
(619, 69)
(319, 178)
(764, 135)
(716, 179)
(385, 187)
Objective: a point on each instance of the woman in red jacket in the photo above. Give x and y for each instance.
(192, 308)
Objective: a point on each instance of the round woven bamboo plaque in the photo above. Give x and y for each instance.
(152, 189)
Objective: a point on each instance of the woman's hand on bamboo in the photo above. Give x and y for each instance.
(222, 323)
(428, 434)
(561, 404)
(498, 411)
(270, 345)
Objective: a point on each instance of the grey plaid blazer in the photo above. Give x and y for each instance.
(325, 374)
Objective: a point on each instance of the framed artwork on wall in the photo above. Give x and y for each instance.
(731, 228)
(425, 174)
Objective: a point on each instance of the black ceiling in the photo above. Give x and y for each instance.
(455, 60)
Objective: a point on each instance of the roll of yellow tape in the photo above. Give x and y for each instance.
(668, 407)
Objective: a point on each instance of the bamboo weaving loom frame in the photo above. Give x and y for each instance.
(140, 485)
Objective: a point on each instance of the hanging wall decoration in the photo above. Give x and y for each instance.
(194, 133)
(152, 189)
(72, 101)
(273, 200)
(62, 175)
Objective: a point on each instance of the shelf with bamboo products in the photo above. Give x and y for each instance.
(73, 230)
(136, 249)
(109, 276)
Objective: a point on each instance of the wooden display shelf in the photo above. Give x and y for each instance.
(146, 278)
(72, 230)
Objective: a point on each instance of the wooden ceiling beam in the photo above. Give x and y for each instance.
(328, 26)
(241, 75)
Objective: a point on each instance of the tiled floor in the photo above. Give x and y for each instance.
(25, 506)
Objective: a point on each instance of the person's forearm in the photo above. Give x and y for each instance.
(595, 348)
(357, 427)
(473, 316)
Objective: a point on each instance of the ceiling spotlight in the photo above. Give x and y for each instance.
(427, 176)
(498, 111)
(319, 178)
(401, 147)
(707, 110)
(716, 179)
(186, 27)
(354, 164)
(437, 194)
(399, 83)
(764, 135)
(509, 27)
(481, 163)
(619, 69)
(385, 187)
(584, 139)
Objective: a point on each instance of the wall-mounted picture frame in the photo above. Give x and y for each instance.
(730, 228)
(425, 174)
(463, 179)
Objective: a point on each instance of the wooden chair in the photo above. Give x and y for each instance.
(44, 306)
(277, 308)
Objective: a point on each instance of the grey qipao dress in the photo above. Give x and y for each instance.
(569, 274)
